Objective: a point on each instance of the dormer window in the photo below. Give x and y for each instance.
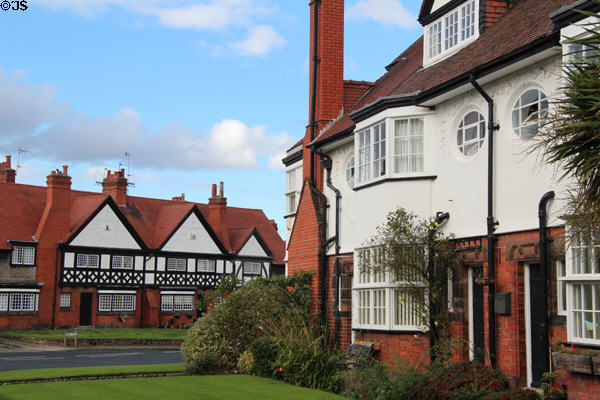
(447, 34)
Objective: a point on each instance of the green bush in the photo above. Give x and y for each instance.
(216, 341)
(245, 363)
(307, 357)
(378, 382)
(264, 353)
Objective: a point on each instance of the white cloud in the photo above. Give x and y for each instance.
(386, 12)
(94, 173)
(261, 40)
(73, 137)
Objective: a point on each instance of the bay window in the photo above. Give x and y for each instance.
(408, 145)
(382, 302)
(582, 281)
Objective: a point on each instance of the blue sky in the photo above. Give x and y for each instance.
(197, 91)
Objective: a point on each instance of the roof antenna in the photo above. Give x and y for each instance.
(22, 152)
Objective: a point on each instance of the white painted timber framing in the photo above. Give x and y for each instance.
(105, 261)
(150, 264)
(252, 248)
(139, 263)
(160, 263)
(105, 230)
(460, 186)
(149, 278)
(192, 237)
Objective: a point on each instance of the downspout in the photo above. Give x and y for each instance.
(491, 224)
(313, 95)
(327, 164)
(542, 214)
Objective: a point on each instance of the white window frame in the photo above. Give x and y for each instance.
(116, 301)
(376, 305)
(581, 274)
(350, 171)
(14, 300)
(177, 302)
(406, 146)
(461, 132)
(65, 300)
(206, 265)
(122, 262)
(519, 123)
(379, 150)
(252, 268)
(23, 255)
(293, 186)
(451, 32)
(175, 264)
(84, 260)
(364, 155)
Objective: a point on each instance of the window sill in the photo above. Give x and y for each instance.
(396, 179)
(409, 331)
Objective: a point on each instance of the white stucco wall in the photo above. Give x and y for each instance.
(105, 230)
(191, 237)
(520, 177)
(252, 248)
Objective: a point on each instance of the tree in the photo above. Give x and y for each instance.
(419, 258)
(571, 136)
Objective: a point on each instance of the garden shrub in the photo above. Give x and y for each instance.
(217, 340)
(264, 354)
(246, 362)
(307, 357)
(380, 382)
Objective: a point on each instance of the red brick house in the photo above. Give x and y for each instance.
(75, 258)
(448, 128)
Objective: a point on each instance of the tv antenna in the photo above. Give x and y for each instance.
(129, 176)
(22, 152)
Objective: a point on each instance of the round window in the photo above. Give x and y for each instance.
(471, 133)
(529, 112)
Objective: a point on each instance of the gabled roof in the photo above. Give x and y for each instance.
(521, 32)
(152, 220)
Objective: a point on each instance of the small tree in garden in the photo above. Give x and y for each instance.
(419, 258)
(571, 136)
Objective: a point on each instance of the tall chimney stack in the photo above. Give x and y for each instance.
(217, 214)
(115, 185)
(7, 174)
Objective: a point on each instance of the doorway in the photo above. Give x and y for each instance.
(85, 309)
(476, 317)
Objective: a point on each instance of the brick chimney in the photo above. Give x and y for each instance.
(217, 214)
(330, 72)
(7, 174)
(115, 185)
(179, 198)
(491, 11)
(57, 213)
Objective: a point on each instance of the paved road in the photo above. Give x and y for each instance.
(15, 360)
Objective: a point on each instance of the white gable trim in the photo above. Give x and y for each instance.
(105, 230)
(192, 237)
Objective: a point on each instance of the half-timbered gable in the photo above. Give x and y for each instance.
(253, 257)
(193, 235)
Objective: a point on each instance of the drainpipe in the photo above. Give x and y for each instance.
(313, 95)
(542, 214)
(327, 164)
(491, 224)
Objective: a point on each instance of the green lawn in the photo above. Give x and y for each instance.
(117, 333)
(214, 387)
(51, 373)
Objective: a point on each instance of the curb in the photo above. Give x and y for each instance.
(95, 377)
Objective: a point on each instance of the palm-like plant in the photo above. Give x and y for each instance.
(571, 136)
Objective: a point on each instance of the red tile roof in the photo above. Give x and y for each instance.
(527, 22)
(21, 207)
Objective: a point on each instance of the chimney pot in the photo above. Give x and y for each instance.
(65, 169)
(214, 190)
(221, 189)
(8, 161)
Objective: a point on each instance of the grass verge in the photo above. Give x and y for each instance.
(57, 373)
(213, 387)
(108, 333)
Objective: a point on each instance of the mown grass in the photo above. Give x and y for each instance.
(109, 333)
(213, 387)
(54, 373)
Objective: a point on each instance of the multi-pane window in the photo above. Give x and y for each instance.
(529, 111)
(23, 255)
(206, 265)
(294, 182)
(382, 302)
(364, 155)
(177, 302)
(115, 302)
(65, 300)
(19, 301)
(561, 288)
(582, 281)
(471, 133)
(379, 150)
(176, 264)
(408, 145)
(252, 268)
(122, 262)
(578, 52)
(451, 30)
(88, 260)
(350, 172)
